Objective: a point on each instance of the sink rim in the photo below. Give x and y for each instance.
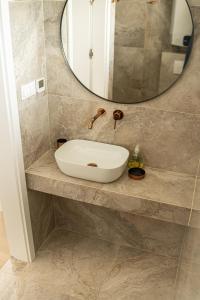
(118, 165)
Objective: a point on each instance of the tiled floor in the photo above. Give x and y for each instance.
(188, 282)
(4, 252)
(70, 266)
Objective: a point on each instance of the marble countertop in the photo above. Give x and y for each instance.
(161, 195)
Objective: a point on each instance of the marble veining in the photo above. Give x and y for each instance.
(42, 216)
(124, 229)
(169, 192)
(188, 282)
(70, 266)
(27, 32)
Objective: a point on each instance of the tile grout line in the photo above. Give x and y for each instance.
(183, 241)
(179, 264)
(46, 75)
(137, 106)
(194, 192)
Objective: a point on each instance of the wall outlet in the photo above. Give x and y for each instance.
(28, 90)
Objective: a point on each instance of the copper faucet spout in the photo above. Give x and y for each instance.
(100, 112)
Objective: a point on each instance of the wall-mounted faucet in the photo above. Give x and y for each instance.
(100, 112)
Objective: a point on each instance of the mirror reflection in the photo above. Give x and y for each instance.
(127, 51)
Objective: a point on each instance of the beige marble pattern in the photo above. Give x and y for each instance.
(188, 279)
(140, 37)
(160, 190)
(27, 29)
(188, 283)
(34, 122)
(70, 266)
(187, 287)
(117, 227)
(42, 216)
(191, 246)
(129, 31)
(167, 76)
(4, 249)
(128, 74)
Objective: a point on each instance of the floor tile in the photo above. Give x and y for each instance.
(70, 266)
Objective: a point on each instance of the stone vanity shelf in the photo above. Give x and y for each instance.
(161, 195)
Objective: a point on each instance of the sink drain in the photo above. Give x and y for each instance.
(92, 165)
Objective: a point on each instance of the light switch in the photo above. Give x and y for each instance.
(40, 85)
(28, 90)
(178, 67)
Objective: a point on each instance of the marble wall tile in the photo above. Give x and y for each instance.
(121, 228)
(132, 32)
(191, 246)
(138, 206)
(151, 73)
(144, 36)
(34, 128)
(27, 28)
(42, 216)
(158, 22)
(187, 285)
(167, 76)
(128, 77)
(60, 79)
(168, 140)
(27, 31)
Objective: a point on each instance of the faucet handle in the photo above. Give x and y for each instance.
(117, 115)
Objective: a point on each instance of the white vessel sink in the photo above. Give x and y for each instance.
(92, 160)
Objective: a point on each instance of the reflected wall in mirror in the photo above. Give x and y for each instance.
(127, 51)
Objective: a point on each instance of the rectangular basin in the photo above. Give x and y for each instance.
(92, 160)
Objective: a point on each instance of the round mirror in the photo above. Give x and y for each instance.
(127, 51)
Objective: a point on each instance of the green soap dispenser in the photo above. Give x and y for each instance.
(136, 160)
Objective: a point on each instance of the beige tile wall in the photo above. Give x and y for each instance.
(27, 28)
(121, 228)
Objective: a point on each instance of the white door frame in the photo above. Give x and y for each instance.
(13, 191)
